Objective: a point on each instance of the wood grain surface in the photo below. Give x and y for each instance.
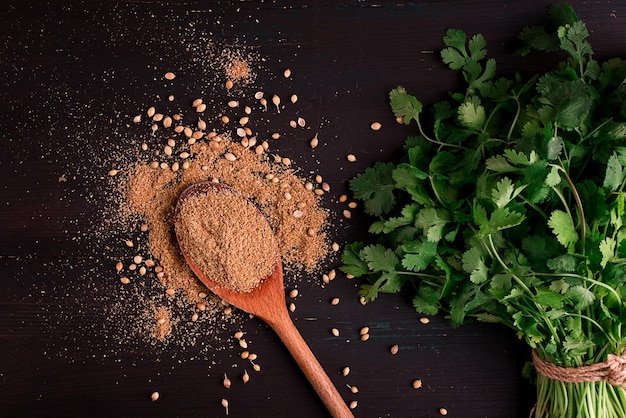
(74, 73)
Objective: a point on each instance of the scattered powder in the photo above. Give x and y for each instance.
(236, 66)
(226, 237)
(175, 156)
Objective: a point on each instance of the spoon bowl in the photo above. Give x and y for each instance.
(267, 302)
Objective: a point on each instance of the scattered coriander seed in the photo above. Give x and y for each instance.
(325, 278)
(394, 349)
(244, 355)
(226, 382)
(238, 335)
(352, 205)
(292, 123)
(245, 377)
(230, 156)
(294, 98)
(335, 332)
(351, 158)
(201, 108)
(263, 102)
(233, 103)
(343, 198)
(293, 293)
(292, 307)
(345, 371)
(364, 330)
(362, 300)
(353, 404)
(225, 405)
(256, 367)
(353, 389)
(376, 126)
(287, 73)
(301, 122)
(443, 411)
(347, 214)
(243, 344)
(424, 320)
(417, 383)
(125, 280)
(332, 274)
(113, 172)
(197, 102)
(334, 301)
(258, 95)
(334, 246)
(155, 396)
(365, 337)
(137, 119)
(151, 111)
(229, 84)
(142, 271)
(119, 266)
(314, 142)
(194, 317)
(276, 102)
(275, 135)
(169, 76)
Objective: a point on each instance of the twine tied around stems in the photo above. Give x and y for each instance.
(613, 370)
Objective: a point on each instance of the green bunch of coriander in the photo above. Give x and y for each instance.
(510, 208)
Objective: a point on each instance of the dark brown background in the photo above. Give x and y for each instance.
(71, 71)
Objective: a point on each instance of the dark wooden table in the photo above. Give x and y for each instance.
(71, 72)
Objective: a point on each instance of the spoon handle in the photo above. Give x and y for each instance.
(312, 369)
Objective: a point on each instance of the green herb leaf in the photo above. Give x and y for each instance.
(404, 105)
(563, 228)
(375, 187)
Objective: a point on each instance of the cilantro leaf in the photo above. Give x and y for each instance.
(404, 105)
(352, 262)
(472, 115)
(420, 253)
(474, 263)
(375, 187)
(379, 258)
(563, 228)
(432, 221)
(580, 297)
(614, 173)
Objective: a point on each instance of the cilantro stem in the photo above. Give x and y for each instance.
(579, 204)
(434, 141)
(514, 122)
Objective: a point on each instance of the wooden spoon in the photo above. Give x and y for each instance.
(267, 301)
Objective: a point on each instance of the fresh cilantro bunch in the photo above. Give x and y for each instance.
(509, 206)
